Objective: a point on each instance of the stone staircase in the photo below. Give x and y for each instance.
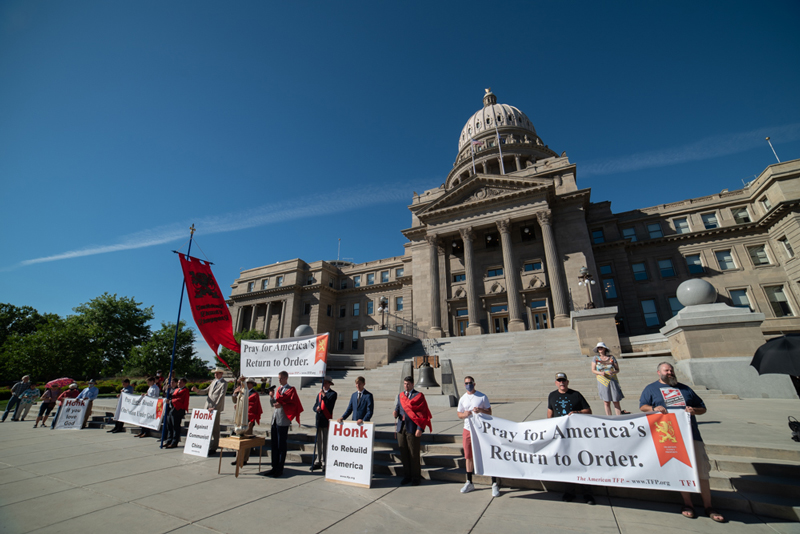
(515, 367)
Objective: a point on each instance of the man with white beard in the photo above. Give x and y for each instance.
(668, 394)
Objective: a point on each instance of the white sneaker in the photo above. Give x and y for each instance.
(467, 487)
(495, 490)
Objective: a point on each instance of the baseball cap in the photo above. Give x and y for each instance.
(561, 375)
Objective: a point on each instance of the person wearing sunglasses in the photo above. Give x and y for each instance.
(473, 401)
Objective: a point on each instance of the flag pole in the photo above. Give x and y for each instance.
(175, 341)
(472, 148)
(773, 150)
(497, 133)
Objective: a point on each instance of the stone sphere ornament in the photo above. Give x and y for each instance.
(695, 292)
(303, 330)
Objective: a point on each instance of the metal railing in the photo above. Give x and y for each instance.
(407, 327)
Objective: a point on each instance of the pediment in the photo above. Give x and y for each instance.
(480, 190)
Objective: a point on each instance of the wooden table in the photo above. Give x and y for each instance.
(240, 445)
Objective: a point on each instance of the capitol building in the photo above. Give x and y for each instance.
(510, 239)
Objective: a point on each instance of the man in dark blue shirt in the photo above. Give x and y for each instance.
(668, 394)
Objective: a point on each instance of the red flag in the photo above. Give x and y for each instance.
(209, 309)
(667, 438)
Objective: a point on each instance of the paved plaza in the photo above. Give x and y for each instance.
(89, 480)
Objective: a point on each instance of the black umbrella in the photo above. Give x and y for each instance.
(779, 356)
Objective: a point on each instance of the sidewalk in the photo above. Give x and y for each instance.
(82, 481)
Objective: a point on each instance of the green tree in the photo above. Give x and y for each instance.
(156, 352)
(118, 325)
(16, 320)
(58, 347)
(233, 358)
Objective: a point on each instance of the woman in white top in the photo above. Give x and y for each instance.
(152, 391)
(605, 368)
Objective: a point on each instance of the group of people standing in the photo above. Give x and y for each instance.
(24, 394)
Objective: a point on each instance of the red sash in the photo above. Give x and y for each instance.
(290, 403)
(254, 410)
(321, 401)
(417, 410)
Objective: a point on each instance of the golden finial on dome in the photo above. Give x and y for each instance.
(489, 98)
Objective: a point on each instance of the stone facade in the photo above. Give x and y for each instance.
(500, 246)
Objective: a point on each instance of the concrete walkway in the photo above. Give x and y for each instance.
(89, 480)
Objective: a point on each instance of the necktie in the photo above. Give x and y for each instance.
(358, 402)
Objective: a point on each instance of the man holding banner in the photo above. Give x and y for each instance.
(668, 394)
(473, 401)
(179, 402)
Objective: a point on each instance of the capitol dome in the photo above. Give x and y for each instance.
(493, 114)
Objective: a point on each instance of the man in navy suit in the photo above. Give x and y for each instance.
(361, 403)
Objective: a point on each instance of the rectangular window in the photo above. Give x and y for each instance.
(398, 304)
(331, 282)
(310, 280)
(250, 286)
(499, 309)
(681, 225)
(371, 279)
(778, 301)
(343, 283)
(666, 269)
(461, 313)
(740, 215)
(758, 254)
(384, 277)
(609, 288)
(639, 271)
(533, 266)
(459, 277)
(654, 229)
(494, 272)
(740, 299)
(279, 281)
(536, 304)
(709, 220)
(399, 272)
(306, 308)
(694, 264)
(341, 341)
(265, 283)
(342, 311)
(356, 309)
(398, 329)
(606, 269)
(787, 247)
(354, 344)
(527, 234)
(765, 203)
(370, 307)
(598, 237)
(629, 233)
(330, 310)
(675, 306)
(725, 260)
(357, 281)
(650, 313)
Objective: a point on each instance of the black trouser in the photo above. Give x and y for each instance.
(409, 454)
(322, 443)
(278, 437)
(174, 422)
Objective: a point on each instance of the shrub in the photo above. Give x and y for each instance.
(102, 390)
(141, 388)
(5, 394)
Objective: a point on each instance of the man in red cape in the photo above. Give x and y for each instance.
(413, 416)
(254, 411)
(286, 407)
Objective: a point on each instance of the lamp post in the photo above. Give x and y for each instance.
(383, 308)
(586, 279)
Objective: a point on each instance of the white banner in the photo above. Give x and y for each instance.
(644, 451)
(201, 426)
(72, 414)
(298, 356)
(140, 410)
(349, 457)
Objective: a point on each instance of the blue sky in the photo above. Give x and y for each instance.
(278, 128)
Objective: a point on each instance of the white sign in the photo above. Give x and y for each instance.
(298, 356)
(349, 457)
(72, 414)
(201, 426)
(642, 451)
(140, 410)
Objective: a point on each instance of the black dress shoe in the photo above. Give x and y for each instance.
(589, 499)
(406, 480)
(415, 482)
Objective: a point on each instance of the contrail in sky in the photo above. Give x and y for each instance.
(312, 206)
(708, 148)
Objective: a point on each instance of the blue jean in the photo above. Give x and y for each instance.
(13, 402)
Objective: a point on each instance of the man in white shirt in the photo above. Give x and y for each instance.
(473, 401)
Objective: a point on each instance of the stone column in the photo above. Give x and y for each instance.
(253, 310)
(474, 327)
(267, 317)
(485, 170)
(557, 292)
(516, 160)
(515, 323)
(433, 274)
(282, 319)
(238, 323)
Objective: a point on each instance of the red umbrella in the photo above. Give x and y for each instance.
(59, 382)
